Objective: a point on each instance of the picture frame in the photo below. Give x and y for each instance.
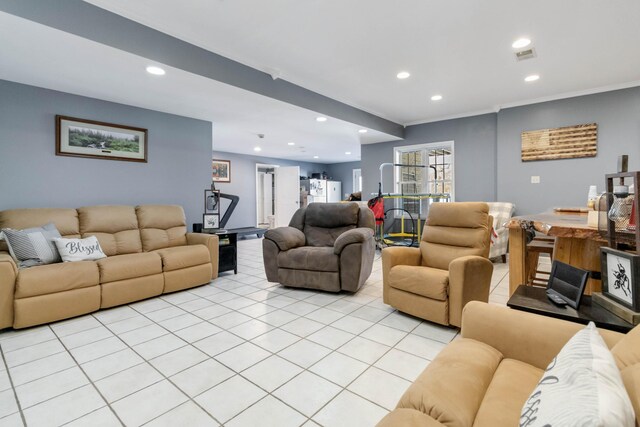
(221, 170)
(100, 140)
(210, 221)
(212, 202)
(621, 277)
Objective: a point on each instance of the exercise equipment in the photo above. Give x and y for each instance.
(406, 236)
(214, 204)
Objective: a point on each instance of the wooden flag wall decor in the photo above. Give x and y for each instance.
(568, 142)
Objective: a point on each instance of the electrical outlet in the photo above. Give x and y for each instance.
(535, 179)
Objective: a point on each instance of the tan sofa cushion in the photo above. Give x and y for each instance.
(451, 388)
(65, 220)
(57, 306)
(183, 257)
(309, 258)
(129, 266)
(161, 226)
(505, 397)
(455, 230)
(52, 278)
(627, 355)
(404, 417)
(116, 228)
(426, 281)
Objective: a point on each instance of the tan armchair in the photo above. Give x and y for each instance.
(449, 269)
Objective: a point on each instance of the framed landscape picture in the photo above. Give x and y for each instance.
(620, 277)
(221, 170)
(99, 140)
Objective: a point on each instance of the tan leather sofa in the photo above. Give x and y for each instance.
(484, 377)
(149, 252)
(435, 281)
(327, 246)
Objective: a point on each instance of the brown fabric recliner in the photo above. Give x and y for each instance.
(451, 268)
(327, 246)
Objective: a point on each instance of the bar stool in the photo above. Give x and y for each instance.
(539, 245)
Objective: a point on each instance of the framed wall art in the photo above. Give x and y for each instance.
(620, 277)
(569, 142)
(210, 221)
(99, 140)
(221, 170)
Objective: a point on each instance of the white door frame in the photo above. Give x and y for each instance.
(354, 181)
(263, 166)
(285, 182)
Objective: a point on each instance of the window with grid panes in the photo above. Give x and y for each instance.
(437, 177)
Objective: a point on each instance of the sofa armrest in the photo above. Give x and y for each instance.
(8, 275)
(356, 235)
(399, 256)
(211, 241)
(469, 280)
(407, 417)
(527, 337)
(286, 237)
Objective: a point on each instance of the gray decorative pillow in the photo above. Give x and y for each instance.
(32, 246)
(581, 387)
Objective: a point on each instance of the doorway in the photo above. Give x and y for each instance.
(265, 195)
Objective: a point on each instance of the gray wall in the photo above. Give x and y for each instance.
(31, 175)
(343, 172)
(475, 156)
(566, 182)
(243, 183)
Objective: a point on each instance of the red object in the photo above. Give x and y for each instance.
(632, 220)
(377, 206)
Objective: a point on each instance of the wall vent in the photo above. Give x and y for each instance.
(526, 54)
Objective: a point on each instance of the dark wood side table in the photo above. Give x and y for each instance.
(228, 251)
(534, 300)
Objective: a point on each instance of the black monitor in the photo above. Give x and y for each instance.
(568, 282)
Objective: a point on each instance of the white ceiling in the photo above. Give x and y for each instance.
(34, 54)
(347, 50)
(351, 50)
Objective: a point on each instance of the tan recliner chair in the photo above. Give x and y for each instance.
(451, 268)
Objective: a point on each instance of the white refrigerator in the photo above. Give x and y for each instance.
(334, 191)
(317, 191)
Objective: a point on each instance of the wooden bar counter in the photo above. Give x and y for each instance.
(576, 244)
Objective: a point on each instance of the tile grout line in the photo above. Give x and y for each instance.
(160, 373)
(90, 382)
(295, 299)
(13, 388)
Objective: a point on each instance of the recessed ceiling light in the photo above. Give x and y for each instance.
(155, 70)
(315, 157)
(321, 119)
(347, 152)
(520, 43)
(403, 75)
(257, 149)
(436, 97)
(531, 78)
(362, 131)
(291, 143)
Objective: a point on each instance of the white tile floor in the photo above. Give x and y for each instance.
(238, 352)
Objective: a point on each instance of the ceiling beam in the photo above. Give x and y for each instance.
(99, 25)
